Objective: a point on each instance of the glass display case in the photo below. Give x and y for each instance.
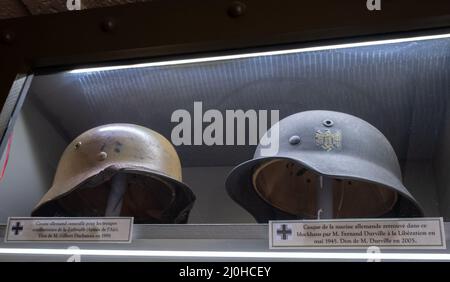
(202, 151)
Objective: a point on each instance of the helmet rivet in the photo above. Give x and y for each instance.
(328, 123)
(102, 156)
(78, 145)
(294, 140)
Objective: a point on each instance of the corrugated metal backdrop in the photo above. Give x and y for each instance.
(401, 89)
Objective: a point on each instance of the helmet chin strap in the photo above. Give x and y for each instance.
(325, 198)
(116, 194)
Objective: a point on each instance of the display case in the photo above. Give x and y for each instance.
(364, 114)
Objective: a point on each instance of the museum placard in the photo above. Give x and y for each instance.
(414, 233)
(78, 229)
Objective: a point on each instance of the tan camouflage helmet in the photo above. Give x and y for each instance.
(141, 162)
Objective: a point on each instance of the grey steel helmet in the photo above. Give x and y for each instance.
(325, 161)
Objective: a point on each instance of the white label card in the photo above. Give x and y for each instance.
(77, 229)
(403, 233)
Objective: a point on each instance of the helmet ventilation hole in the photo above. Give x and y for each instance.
(328, 123)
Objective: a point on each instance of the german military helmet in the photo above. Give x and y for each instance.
(119, 170)
(326, 163)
